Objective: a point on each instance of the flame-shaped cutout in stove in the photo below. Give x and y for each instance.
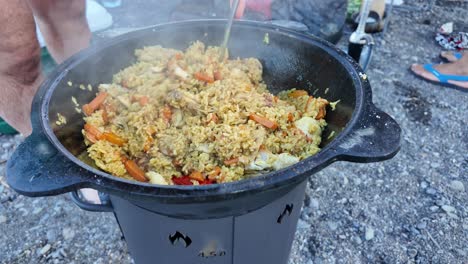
(287, 211)
(179, 236)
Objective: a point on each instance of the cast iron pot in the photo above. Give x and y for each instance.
(47, 164)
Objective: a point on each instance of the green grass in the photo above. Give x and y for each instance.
(353, 7)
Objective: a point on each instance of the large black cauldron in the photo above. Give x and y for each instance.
(250, 221)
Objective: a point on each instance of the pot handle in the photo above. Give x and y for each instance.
(104, 206)
(375, 138)
(37, 168)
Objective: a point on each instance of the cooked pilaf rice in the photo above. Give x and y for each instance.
(185, 118)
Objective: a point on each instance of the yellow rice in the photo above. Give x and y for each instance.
(191, 141)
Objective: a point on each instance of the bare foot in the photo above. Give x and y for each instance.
(457, 68)
(449, 56)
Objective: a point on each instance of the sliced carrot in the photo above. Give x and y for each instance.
(203, 77)
(275, 99)
(92, 130)
(309, 100)
(322, 109)
(135, 171)
(196, 175)
(217, 75)
(89, 109)
(113, 138)
(166, 113)
(231, 161)
(143, 100)
(178, 56)
(290, 117)
(146, 148)
(90, 137)
(264, 121)
(321, 113)
(151, 131)
(297, 93)
(216, 171)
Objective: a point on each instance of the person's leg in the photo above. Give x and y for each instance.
(63, 24)
(20, 73)
(458, 68)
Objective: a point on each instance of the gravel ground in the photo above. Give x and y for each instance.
(413, 208)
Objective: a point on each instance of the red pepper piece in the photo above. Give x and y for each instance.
(206, 182)
(184, 180)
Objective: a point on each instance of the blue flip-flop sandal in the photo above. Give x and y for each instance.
(457, 55)
(445, 78)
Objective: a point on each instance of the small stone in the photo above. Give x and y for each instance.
(357, 240)
(45, 249)
(412, 253)
(332, 225)
(51, 236)
(314, 203)
(68, 233)
(7, 145)
(457, 186)
(424, 184)
(369, 233)
(452, 215)
(3, 219)
(431, 191)
(55, 254)
(357, 181)
(448, 208)
(434, 208)
(301, 224)
(37, 210)
(461, 252)
(63, 253)
(345, 180)
(421, 225)
(414, 231)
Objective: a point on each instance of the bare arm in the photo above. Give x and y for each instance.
(63, 24)
(20, 73)
(65, 29)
